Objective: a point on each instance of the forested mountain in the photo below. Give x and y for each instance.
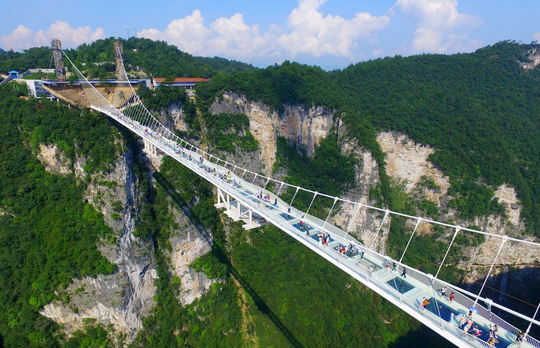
(35, 57)
(479, 111)
(156, 58)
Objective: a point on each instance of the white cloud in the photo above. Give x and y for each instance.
(70, 37)
(19, 39)
(314, 34)
(536, 36)
(309, 32)
(236, 39)
(377, 53)
(22, 37)
(188, 33)
(440, 28)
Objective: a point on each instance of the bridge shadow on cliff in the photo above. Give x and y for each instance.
(221, 255)
(263, 307)
(182, 205)
(421, 337)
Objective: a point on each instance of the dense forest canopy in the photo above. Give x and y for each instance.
(47, 234)
(480, 111)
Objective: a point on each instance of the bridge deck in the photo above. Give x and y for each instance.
(363, 264)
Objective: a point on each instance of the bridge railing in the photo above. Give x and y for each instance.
(139, 118)
(414, 304)
(375, 258)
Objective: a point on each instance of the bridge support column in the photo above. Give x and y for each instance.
(223, 199)
(149, 147)
(239, 211)
(239, 208)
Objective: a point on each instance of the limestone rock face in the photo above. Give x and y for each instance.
(177, 115)
(507, 196)
(361, 222)
(121, 299)
(188, 244)
(534, 59)
(305, 127)
(54, 159)
(408, 161)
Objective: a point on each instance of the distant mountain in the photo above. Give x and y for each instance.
(225, 65)
(157, 58)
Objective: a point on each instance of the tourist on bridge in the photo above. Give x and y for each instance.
(452, 318)
(476, 331)
(462, 321)
(493, 332)
(423, 303)
(443, 291)
(519, 339)
(451, 297)
(467, 326)
(404, 272)
(321, 236)
(492, 335)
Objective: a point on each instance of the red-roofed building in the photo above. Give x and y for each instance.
(186, 82)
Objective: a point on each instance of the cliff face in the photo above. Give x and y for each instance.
(121, 300)
(188, 244)
(406, 162)
(533, 57)
(125, 297)
(305, 127)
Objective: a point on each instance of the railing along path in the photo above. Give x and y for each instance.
(400, 284)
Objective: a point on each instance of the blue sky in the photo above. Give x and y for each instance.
(328, 33)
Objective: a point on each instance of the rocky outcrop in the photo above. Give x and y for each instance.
(305, 127)
(362, 222)
(122, 299)
(507, 197)
(408, 161)
(177, 115)
(189, 243)
(533, 57)
(54, 159)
